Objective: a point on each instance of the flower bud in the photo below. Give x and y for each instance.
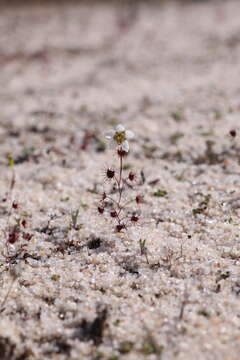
(113, 214)
(233, 133)
(121, 152)
(139, 199)
(120, 227)
(110, 173)
(134, 218)
(100, 209)
(131, 176)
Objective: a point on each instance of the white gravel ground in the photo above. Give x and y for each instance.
(170, 73)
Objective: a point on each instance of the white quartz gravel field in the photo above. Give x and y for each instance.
(170, 72)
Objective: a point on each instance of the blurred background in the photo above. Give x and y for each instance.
(132, 61)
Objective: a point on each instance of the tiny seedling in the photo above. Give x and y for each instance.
(160, 193)
(184, 303)
(15, 273)
(74, 220)
(150, 345)
(14, 232)
(143, 249)
(202, 206)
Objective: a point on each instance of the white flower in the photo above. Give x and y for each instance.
(119, 138)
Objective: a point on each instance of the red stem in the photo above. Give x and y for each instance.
(120, 189)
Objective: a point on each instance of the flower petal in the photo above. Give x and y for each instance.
(120, 128)
(125, 146)
(130, 134)
(109, 134)
(112, 145)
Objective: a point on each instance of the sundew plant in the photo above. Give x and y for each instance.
(116, 200)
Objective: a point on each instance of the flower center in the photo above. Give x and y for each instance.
(120, 137)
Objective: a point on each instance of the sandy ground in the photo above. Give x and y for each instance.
(171, 74)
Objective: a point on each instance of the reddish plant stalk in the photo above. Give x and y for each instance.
(118, 205)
